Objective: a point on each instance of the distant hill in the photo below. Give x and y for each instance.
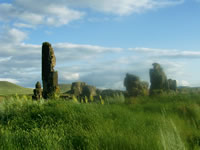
(64, 87)
(7, 88)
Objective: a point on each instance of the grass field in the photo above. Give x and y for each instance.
(7, 88)
(158, 123)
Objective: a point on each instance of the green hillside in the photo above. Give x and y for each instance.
(64, 87)
(7, 88)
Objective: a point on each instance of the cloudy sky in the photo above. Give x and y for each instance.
(99, 41)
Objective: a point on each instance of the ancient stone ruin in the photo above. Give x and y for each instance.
(49, 76)
(89, 91)
(135, 87)
(82, 90)
(158, 79)
(77, 88)
(172, 84)
(37, 92)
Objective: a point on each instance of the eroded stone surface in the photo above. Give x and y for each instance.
(158, 79)
(172, 84)
(49, 76)
(82, 90)
(37, 92)
(134, 86)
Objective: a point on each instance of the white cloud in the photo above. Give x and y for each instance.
(167, 53)
(60, 15)
(5, 59)
(7, 11)
(69, 76)
(183, 83)
(51, 14)
(86, 48)
(124, 7)
(32, 18)
(69, 52)
(11, 43)
(23, 25)
(27, 13)
(9, 80)
(17, 35)
(12, 35)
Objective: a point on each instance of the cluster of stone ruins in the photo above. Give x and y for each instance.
(134, 87)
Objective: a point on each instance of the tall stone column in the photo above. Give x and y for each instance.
(49, 76)
(158, 79)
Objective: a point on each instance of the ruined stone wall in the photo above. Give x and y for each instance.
(134, 86)
(82, 90)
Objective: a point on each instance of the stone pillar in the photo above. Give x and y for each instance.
(158, 79)
(37, 92)
(172, 84)
(49, 76)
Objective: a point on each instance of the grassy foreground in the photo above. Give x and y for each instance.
(159, 123)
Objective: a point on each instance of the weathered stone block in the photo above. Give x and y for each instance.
(134, 86)
(158, 79)
(49, 76)
(37, 92)
(77, 88)
(172, 84)
(89, 91)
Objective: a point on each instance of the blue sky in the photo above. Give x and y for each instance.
(98, 42)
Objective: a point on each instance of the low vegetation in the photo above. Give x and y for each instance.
(164, 122)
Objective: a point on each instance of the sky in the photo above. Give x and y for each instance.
(99, 41)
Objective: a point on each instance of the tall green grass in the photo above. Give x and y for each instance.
(169, 122)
